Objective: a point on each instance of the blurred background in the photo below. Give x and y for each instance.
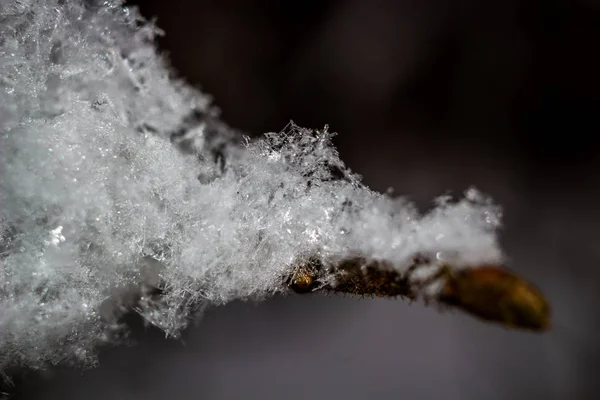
(428, 97)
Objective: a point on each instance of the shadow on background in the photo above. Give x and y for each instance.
(427, 98)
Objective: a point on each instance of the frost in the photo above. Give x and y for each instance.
(117, 179)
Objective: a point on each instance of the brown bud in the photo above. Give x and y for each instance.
(498, 295)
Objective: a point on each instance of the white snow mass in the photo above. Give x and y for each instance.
(116, 175)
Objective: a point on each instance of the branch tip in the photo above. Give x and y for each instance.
(489, 292)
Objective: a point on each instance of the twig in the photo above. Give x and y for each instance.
(491, 293)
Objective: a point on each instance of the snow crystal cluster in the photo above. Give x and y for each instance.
(116, 177)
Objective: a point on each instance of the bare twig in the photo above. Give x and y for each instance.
(491, 293)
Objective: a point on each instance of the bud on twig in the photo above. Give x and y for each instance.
(491, 293)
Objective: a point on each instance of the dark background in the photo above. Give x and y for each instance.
(427, 97)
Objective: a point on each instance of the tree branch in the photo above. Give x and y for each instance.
(488, 292)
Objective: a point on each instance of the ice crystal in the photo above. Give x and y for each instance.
(117, 178)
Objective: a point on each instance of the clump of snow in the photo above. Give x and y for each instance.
(115, 175)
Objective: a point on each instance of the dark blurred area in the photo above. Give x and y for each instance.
(428, 98)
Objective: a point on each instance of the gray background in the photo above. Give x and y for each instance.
(428, 97)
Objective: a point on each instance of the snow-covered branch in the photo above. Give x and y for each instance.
(122, 189)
